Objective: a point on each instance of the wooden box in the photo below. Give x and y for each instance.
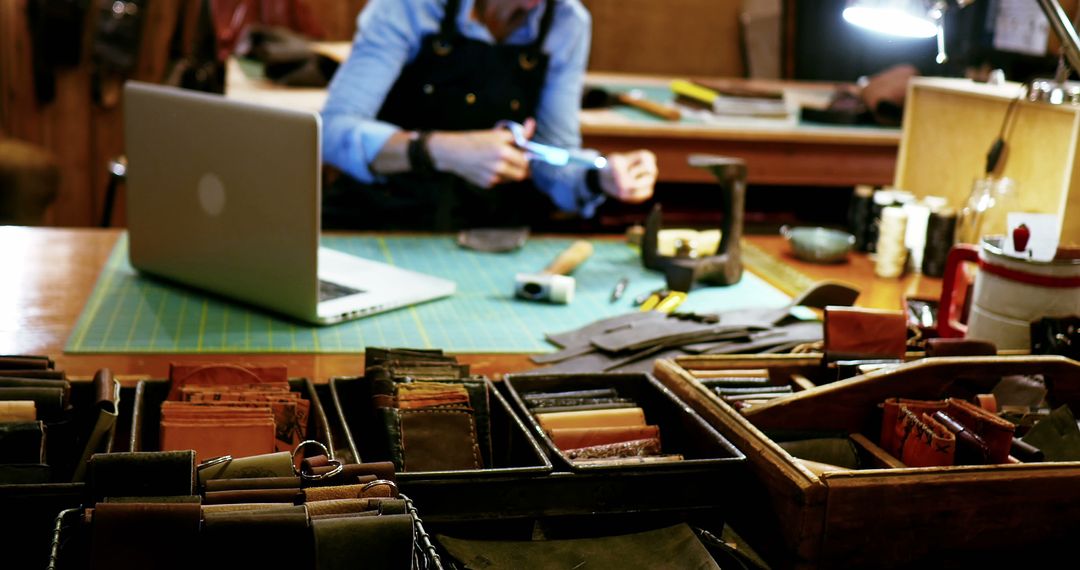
(893, 517)
(949, 125)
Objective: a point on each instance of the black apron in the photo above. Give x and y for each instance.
(454, 84)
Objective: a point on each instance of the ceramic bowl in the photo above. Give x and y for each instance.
(818, 245)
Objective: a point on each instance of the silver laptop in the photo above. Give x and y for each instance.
(225, 196)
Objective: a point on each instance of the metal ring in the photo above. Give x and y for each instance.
(329, 454)
(372, 484)
(214, 461)
(338, 468)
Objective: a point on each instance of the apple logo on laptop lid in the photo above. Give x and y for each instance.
(211, 194)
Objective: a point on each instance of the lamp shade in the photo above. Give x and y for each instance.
(905, 18)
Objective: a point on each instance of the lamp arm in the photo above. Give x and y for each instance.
(1064, 30)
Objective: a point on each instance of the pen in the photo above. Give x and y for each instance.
(620, 288)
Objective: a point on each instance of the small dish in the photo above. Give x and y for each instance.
(818, 245)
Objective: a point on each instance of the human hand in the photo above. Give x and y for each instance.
(483, 158)
(629, 176)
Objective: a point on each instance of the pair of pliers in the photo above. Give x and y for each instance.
(551, 154)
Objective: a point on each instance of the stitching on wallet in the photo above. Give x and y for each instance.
(477, 462)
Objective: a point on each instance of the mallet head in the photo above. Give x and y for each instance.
(549, 287)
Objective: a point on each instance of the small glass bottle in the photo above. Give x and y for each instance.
(987, 209)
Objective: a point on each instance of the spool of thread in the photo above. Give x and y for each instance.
(891, 253)
(860, 215)
(918, 215)
(940, 234)
(881, 199)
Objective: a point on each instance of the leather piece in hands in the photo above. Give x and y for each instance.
(145, 535)
(383, 542)
(142, 474)
(271, 538)
(651, 549)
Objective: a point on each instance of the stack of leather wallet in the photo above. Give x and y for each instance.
(598, 427)
(37, 407)
(149, 512)
(232, 409)
(745, 391)
(923, 433)
(430, 413)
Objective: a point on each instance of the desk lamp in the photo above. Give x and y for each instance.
(925, 18)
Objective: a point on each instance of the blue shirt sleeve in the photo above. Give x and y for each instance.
(387, 38)
(557, 121)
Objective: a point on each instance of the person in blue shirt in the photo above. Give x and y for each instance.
(411, 117)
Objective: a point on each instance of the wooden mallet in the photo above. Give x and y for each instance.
(554, 283)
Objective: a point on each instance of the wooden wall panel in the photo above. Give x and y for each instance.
(338, 17)
(674, 37)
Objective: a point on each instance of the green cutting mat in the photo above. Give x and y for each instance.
(129, 313)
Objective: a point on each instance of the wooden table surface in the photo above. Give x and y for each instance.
(47, 274)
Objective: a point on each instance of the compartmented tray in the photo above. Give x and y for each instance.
(956, 516)
(521, 490)
(35, 505)
(682, 431)
(514, 452)
(149, 395)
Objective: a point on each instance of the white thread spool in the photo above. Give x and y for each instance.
(891, 253)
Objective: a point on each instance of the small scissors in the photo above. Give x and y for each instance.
(551, 154)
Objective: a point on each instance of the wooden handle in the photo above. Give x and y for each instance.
(659, 109)
(570, 258)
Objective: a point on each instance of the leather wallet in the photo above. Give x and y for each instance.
(145, 535)
(141, 474)
(924, 441)
(266, 538)
(970, 448)
(439, 440)
(997, 433)
(892, 432)
(22, 442)
(573, 438)
(622, 417)
(855, 333)
(383, 542)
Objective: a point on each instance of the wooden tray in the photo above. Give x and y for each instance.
(892, 517)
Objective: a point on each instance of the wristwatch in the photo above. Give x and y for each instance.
(419, 158)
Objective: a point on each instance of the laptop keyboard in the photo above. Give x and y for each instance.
(328, 291)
